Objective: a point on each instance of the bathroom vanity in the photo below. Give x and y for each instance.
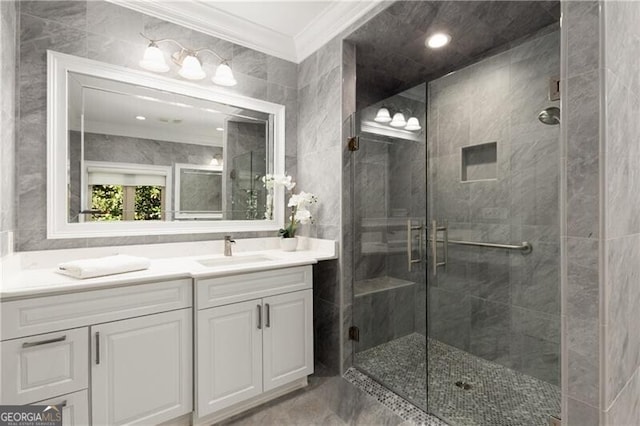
(191, 340)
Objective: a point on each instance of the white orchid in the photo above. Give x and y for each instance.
(303, 216)
(285, 181)
(297, 202)
(302, 200)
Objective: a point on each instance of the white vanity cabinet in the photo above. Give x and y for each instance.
(254, 337)
(141, 369)
(75, 408)
(129, 348)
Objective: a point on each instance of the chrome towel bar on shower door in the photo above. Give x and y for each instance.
(524, 247)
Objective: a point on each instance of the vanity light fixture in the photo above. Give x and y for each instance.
(413, 124)
(189, 61)
(398, 120)
(438, 40)
(383, 116)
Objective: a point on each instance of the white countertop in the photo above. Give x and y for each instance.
(31, 274)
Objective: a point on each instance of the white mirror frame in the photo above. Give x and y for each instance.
(58, 67)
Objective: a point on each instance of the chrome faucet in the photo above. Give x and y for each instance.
(227, 245)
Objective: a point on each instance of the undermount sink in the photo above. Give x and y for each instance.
(231, 261)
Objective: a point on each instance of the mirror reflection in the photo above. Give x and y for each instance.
(142, 154)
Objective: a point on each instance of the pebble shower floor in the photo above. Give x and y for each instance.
(498, 396)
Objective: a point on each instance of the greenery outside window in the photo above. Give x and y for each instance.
(127, 192)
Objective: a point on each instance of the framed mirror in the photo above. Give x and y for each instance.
(134, 153)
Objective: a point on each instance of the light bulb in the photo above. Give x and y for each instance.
(398, 120)
(438, 40)
(382, 116)
(413, 124)
(153, 59)
(191, 68)
(224, 76)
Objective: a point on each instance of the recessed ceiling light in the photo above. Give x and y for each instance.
(438, 40)
(220, 129)
(140, 117)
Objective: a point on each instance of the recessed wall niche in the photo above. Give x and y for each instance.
(480, 162)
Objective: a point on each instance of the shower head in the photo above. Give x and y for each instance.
(550, 116)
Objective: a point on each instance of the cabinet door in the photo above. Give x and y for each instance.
(229, 368)
(287, 338)
(43, 366)
(75, 408)
(141, 369)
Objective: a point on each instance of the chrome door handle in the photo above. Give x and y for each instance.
(44, 342)
(433, 238)
(97, 348)
(410, 228)
(268, 309)
(259, 307)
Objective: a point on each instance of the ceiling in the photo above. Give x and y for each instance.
(290, 30)
(110, 107)
(288, 18)
(390, 51)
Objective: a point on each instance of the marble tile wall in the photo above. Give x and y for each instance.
(580, 201)
(107, 32)
(319, 171)
(8, 57)
(499, 305)
(621, 198)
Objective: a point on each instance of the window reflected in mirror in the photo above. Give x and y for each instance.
(142, 154)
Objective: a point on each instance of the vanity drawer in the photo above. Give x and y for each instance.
(44, 366)
(49, 313)
(237, 288)
(75, 408)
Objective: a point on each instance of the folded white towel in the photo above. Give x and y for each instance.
(89, 268)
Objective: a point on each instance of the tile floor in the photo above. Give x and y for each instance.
(498, 396)
(328, 400)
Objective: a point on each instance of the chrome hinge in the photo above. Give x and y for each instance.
(354, 143)
(354, 333)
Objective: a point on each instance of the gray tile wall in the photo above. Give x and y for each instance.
(580, 201)
(319, 172)
(621, 197)
(107, 32)
(502, 306)
(8, 55)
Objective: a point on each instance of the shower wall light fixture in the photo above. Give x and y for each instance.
(188, 60)
(398, 120)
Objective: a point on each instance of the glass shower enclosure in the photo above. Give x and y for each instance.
(456, 242)
(389, 288)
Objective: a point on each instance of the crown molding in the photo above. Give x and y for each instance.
(210, 20)
(206, 18)
(334, 20)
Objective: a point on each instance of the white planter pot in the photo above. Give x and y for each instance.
(289, 244)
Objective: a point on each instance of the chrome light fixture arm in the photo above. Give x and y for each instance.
(188, 60)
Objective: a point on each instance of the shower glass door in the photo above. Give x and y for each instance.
(457, 264)
(493, 300)
(389, 206)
